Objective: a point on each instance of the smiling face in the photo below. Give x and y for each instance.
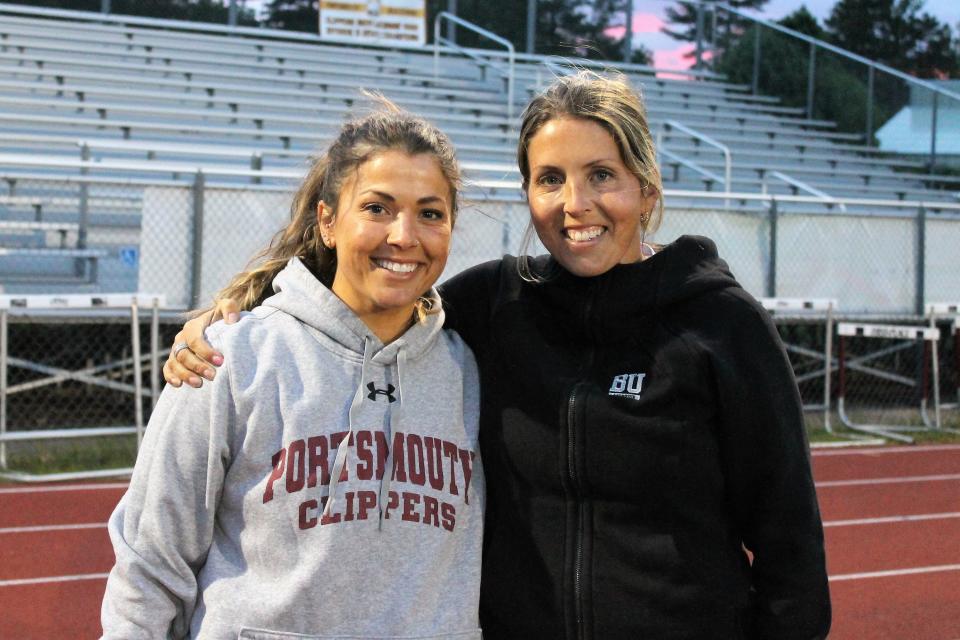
(391, 231)
(587, 207)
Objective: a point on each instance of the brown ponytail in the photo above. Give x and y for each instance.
(357, 142)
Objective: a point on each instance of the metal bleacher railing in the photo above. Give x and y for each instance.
(714, 10)
(507, 72)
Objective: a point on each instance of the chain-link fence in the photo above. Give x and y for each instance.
(885, 378)
(184, 238)
(78, 380)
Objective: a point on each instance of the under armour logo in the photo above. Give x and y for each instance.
(627, 385)
(374, 392)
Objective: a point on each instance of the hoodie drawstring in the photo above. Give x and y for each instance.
(393, 426)
(344, 447)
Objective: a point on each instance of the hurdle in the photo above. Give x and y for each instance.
(936, 311)
(905, 335)
(85, 304)
(809, 307)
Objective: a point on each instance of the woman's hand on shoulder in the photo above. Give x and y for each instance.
(192, 359)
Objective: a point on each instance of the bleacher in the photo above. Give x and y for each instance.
(86, 105)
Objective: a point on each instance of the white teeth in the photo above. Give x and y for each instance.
(582, 235)
(398, 267)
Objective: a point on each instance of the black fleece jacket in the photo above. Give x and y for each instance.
(639, 431)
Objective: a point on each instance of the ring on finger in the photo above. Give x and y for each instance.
(177, 348)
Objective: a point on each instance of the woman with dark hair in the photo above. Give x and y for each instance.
(647, 467)
(339, 495)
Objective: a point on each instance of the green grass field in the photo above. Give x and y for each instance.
(75, 454)
(118, 452)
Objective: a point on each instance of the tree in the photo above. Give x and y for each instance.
(684, 16)
(564, 27)
(896, 33)
(840, 91)
(193, 10)
(293, 15)
(803, 21)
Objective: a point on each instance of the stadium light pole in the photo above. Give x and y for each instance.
(531, 25)
(628, 34)
(451, 27)
(105, 6)
(232, 14)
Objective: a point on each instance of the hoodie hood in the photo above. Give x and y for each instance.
(684, 269)
(299, 294)
(690, 267)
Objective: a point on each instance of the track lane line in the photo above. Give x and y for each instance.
(894, 572)
(52, 579)
(885, 450)
(70, 487)
(53, 527)
(885, 520)
(893, 480)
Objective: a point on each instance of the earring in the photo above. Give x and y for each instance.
(324, 236)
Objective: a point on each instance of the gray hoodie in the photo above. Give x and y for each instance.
(226, 530)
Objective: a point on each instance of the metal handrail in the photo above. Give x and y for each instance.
(690, 164)
(838, 50)
(727, 157)
(508, 73)
(802, 186)
(872, 67)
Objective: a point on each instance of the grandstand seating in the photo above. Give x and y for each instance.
(115, 102)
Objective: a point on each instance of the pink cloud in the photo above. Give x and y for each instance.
(675, 58)
(642, 23)
(680, 57)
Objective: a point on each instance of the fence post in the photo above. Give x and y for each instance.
(933, 134)
(755, 85)
(828, 367)
(921, 259)
(154, 354)
(197, 261)
(935, 365)
(256, 163)
(772, 266)
(3, 387)
(137, 371)
(80, 264)
(870, 74)
(811, 79)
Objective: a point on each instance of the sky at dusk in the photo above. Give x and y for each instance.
(669, 54)
(649, 16)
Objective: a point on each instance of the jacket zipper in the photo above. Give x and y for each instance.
(574, 481)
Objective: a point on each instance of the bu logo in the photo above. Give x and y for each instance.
(627, 385)
(374, 392)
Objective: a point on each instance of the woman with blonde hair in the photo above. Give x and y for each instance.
(647, 468)
(341, 494)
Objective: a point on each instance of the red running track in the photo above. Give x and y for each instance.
(891, 517)
(892, 525)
